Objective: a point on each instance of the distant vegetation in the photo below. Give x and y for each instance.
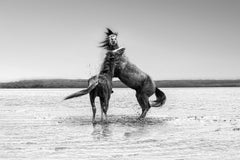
(82, 83)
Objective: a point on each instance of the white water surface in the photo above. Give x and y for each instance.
(195, 123)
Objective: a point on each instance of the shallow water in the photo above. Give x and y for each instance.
(195, 123)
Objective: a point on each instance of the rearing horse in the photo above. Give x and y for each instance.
(134, 77)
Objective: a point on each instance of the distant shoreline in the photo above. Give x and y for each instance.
(82, 83)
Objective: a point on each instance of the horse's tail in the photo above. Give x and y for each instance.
(161, 98)
(83, 92)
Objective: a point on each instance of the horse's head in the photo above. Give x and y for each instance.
(113, 39)
(110, 42)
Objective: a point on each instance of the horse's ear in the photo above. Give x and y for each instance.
(109, 32)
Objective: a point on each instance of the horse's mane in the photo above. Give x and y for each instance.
(105, 44)
(108, 63)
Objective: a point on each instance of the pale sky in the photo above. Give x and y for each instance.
(168, 39)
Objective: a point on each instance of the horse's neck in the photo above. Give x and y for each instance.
(107, 67)
(107, 75)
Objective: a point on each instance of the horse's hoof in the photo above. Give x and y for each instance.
(140, 119)
(94, 122)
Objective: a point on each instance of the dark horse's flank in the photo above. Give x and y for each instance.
(134, 78)
(101, 85)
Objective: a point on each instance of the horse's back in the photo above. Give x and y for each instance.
(135, 78)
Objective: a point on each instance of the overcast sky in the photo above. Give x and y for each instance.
(168, 39)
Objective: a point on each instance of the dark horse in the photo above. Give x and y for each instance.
(134, 78)
(101, 85)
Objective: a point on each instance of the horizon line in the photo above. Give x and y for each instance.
(83, 79)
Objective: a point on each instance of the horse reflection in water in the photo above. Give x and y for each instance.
(133, 77)
(125, 127)
(101, 131)
(105, 131)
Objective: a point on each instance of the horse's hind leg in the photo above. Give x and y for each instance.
(92, 100)
(143, 101)
(104, 107)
